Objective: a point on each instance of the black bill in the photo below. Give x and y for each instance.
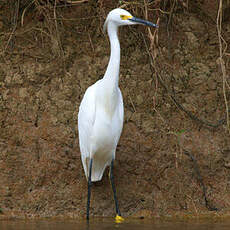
(141, 21)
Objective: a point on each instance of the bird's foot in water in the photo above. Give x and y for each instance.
(119, 219)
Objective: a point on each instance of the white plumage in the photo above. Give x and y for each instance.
(100, 122)
(101, 112)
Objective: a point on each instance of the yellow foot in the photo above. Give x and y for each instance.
(119, 219)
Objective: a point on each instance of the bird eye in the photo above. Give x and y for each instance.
(125, 17)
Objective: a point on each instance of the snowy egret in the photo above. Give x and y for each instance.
(101, 112)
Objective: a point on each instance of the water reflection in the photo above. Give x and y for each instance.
(108, 224)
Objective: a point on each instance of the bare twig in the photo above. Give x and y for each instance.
(153, 37)
(91, 43)
(169, 29)
(24, 11)
(222, 43)
(134, 108)
(72, 2)
(14, 21)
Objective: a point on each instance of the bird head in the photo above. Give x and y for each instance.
(121, 17)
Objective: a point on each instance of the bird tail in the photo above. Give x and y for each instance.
(98, 169)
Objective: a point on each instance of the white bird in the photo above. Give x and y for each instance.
(101, 112)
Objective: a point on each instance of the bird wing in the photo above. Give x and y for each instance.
(86, 118)
(121, 111)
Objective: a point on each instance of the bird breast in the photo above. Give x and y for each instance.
(107, 125)
(107, 101)
(105, 134)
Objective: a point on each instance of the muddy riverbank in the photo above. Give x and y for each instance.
(174, 106)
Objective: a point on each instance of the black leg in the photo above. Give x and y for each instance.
(89, 188)
(114, 189)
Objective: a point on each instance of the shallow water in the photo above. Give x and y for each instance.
(108, 224)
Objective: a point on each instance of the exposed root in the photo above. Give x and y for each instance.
(200, 180)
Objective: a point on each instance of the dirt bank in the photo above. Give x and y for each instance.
(49, 56)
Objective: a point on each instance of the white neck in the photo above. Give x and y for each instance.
(112, 72)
